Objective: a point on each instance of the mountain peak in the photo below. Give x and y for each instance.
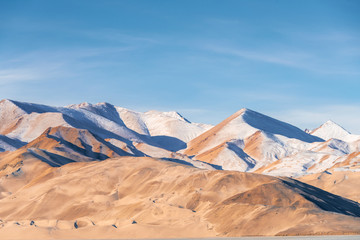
(79, 105)
(5, 100)
(331, 123)
(28, 107)
(240, 112)
(330, 129)
(9, 107)
(105, 104)
(176, 115)
(248, 121)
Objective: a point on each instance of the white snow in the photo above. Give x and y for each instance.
(168, 130)
(330, 130)
(159, 134)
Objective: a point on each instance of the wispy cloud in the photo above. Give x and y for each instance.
(16, 75)
(47, 64)
(294, 59)
(252, 55)
(267, 96)
(223, 21)
(334, 36)
(117, 36)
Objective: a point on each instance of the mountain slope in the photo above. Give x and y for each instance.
(26, 121)
(263, 138)
(166, 128)
(80, 171)
(246, 141)
(8, 144)
(143, 197)
(342, 183)
(330, 130)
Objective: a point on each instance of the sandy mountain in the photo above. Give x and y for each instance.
(62, 145)
(246, 141)
(342, 183)
(252, 139)
(75, 172)
(142, 197)
(341, 179)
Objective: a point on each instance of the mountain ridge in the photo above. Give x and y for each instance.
(245, 141)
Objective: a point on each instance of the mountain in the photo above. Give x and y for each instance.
(70, 134)
(248, 140)
(26, 121)
(168, 129)
(143, 197)
(9, 144)
(98, 170)
(330, 130)
(342, 183)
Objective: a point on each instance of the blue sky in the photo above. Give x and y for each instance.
(298, 61)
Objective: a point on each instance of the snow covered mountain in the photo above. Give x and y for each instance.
(248, 140)
(23, 122)
(168, 129)
(330, 130)
(245, 141)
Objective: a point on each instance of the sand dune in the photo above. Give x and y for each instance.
(144, 197)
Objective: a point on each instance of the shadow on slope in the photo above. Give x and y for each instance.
(33, 107)
(274, 126)
(178, 161)
(325, 200)
(249, 161)
(86, 151)
(105, 110)
(91, 127)
(13, 142)
(165, 142)
(169, 143)
(54, 160)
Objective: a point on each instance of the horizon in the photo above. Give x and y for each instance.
(294, 61)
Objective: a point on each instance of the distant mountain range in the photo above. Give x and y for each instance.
(247, 141)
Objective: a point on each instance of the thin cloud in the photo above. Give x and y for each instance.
(329, 36)
(251, 55)
(305, 61)
(43, 65)
(117, 36)
(222, 21)
(17, 75)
